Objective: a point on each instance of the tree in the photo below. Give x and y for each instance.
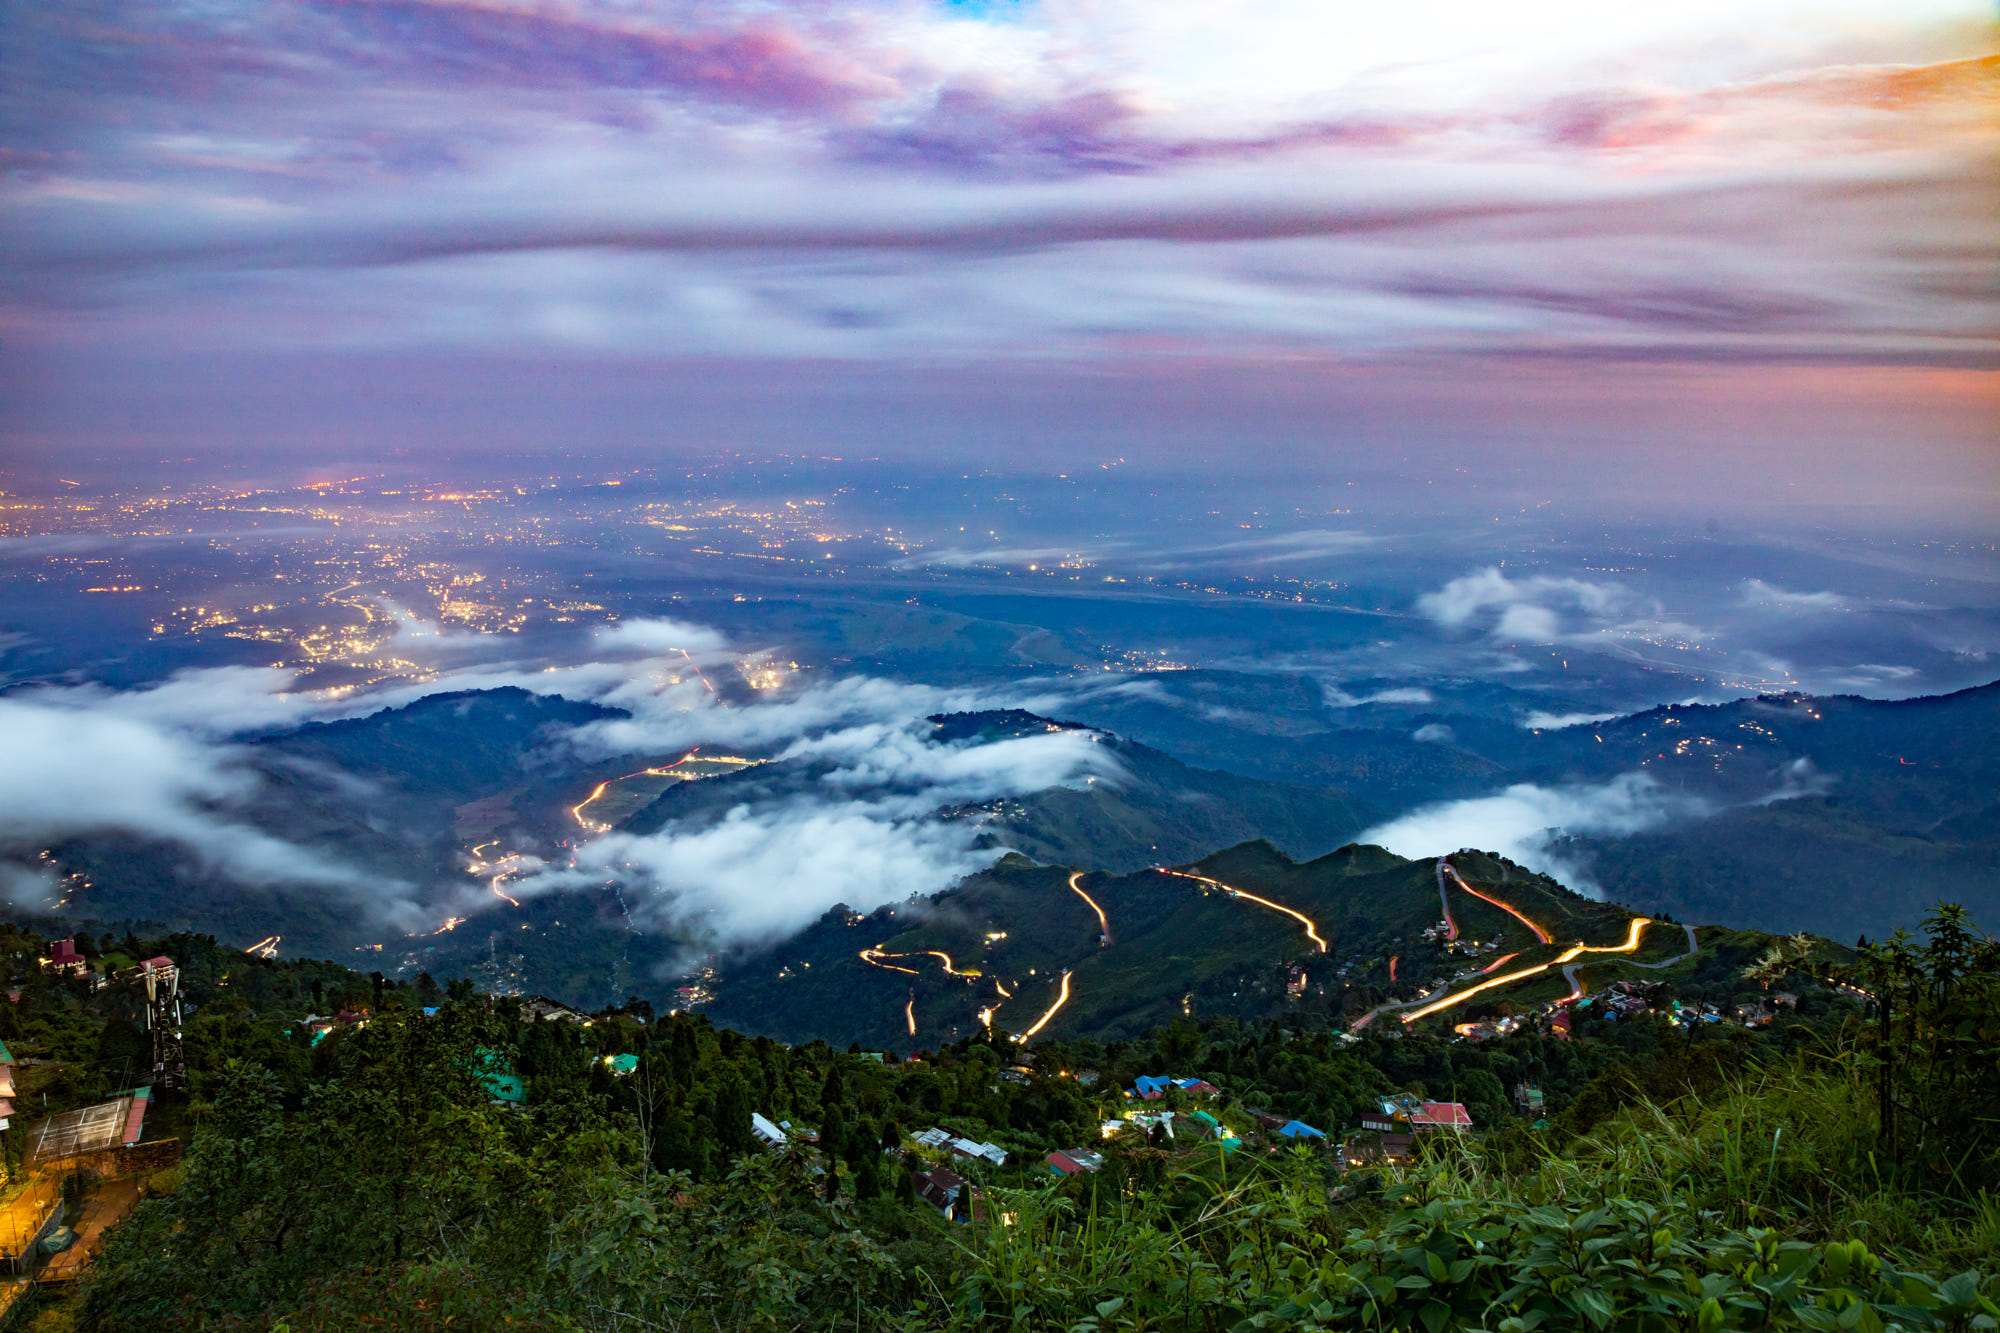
(1936, 1043)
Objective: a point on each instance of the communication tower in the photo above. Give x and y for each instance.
(161, 979)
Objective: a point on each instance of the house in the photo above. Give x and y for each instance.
(1380, 1122)
(990, 1152)
(765, 1131)
(1199, 1087)
(621, 1064)
(541, 1007)
(1299, 1129)
(1274, 1123)
(1150, 1088)
(935, 1138)
(1528, 1099)
(944, 1190)
(1069, 1161)
(64, 958)
(1440, 1115)
(1559, 1025)
(1369, 1149)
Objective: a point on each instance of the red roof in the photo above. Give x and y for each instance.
(135, 1116)
(1452, 1114)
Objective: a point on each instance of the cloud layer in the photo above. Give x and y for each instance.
(162, 763)
(909, 180)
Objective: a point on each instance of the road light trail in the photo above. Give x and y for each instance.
(1304, 920)
(876, 955)
(704, 679)
(910, 1013)
(265, 948)
(1447, 868)
(1451, 922)
(1392, 965)
(576, 811)
(1103, 925)
(1497, 964)
(1639, 924)
(1043, 1021)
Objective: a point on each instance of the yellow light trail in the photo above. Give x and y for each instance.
(875, 956)
(1639, 924)
(1540, 934)
(495, 886)
(986, 1014)
(1061, 1000)
(576, 811)
(1300, 917)
(910, 1013)
(1103, 925)
(266, 948)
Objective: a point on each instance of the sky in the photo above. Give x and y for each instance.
(1706, 267)
(647, 226)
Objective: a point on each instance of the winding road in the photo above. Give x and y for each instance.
(1425, 1005)
(1312, 932)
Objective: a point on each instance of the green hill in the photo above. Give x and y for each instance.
(1177, 947)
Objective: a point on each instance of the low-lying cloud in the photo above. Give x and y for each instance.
(1530, 610)
(73, 771)
(1545, 721)
(165, 763)
(1336, 697)
(865, 835)
(1525, 821)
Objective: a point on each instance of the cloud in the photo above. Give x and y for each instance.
(1526, 821)
(211, 702)
(80, 770)
(1434, 733)
(757, 875)
(864, 835)
(1336, 697)
(967, 558)
(1521, 610)
(904, 181)
(1799, 778)
(653, 635)
(1759, 595)
(1541, 721)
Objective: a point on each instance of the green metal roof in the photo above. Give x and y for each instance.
(499, 1077)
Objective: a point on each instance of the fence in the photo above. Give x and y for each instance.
(24, 1217)
(28, 1213)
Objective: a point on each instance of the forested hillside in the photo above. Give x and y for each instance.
(434, 1159)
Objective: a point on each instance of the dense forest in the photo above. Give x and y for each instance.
(367, 1154)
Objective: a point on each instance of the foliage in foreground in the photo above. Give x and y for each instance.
(385, 1191)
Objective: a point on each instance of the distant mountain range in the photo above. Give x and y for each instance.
(1886, 808)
